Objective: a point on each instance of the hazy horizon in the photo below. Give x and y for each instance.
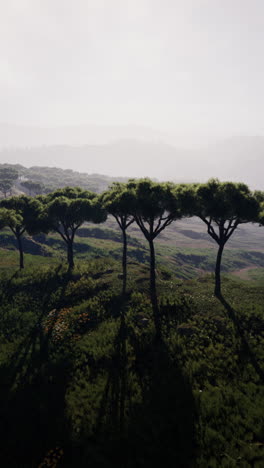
(185, 67)
(237, 158)
(187, 74)
(24, 135)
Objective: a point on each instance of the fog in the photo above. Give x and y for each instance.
(162, 88)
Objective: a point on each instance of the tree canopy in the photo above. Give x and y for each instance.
(261, 214)
(9, 218)
(154, 207)
(21, 214)
(222, 206)
(35, 188)
(67, 209)
(27, 208)
(117, 201)
(8, 175)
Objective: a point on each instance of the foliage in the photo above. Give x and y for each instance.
(107, 394)
(9, 218)
(84, 377)
(21, 215)
(222, 206)
(8, 175)
(35, 188)
(69, 208)
(151, 201)
(154, 206)
(52, 178)
(28, 210)
(261, 214)
(117, 202)
(66, 210)
(226, 203)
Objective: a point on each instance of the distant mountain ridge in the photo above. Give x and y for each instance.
(237, 158)
(120, 159)
(75, 135)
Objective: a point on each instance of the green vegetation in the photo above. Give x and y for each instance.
(117, 202)
(8, 176)
(34, 188)
(65, 210)
(168, 371)
(48, 179)
(79, 376)
(20, 214)
(222, 206)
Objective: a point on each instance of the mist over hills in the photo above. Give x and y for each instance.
(76, 135)
(133, 152)
(126, 158)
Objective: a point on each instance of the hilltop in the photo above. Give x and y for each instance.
(135, 152)
(85, 377)
(54, 177)
(184, 248)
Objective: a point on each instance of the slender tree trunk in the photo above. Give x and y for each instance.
(21, 254)
(153, 290)
(124, 261)
(70, 253)
(217, 290)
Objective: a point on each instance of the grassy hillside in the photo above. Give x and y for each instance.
(83, 382)
(52, 178)
(184, 255)
(184, 247)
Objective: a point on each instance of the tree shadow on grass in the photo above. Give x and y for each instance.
(5, 293)
(146, 414)
(33, 385)
(246, 349)
(162, 426)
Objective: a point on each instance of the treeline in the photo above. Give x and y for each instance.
(153, 206)
(42, 180)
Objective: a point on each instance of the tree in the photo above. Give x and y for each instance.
(261, 213)
(8, 217)
(21, 215)
(8, 175)
(222, 206)
(259, 195)
(154, 207)
(35, 188)
(66, 210)
(117, 202)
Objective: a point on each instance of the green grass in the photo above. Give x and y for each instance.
(184, 263)
(105, 393)
(257, 274)
(67, 359)
(185, 260)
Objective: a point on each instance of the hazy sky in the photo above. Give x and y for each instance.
(184, 66)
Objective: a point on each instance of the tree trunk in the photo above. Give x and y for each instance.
(70, 253)
(21, 254)
(153, 290)
(217, 290)
(124, 261)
